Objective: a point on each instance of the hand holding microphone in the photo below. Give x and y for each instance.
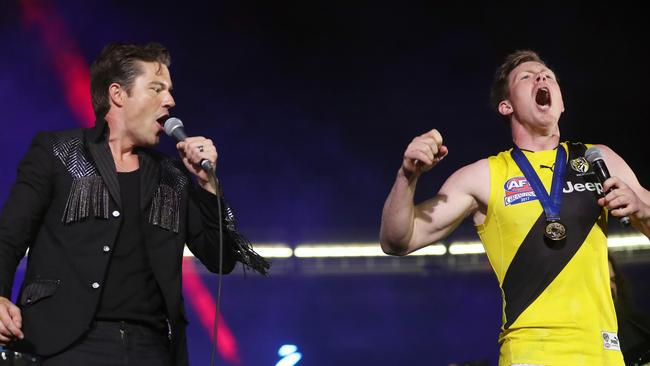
(595, 158)
(174, 128)
(197, 153)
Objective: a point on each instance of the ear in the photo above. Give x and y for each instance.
(505, 108)
(116, 94)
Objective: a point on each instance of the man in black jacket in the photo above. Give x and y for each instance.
(106, 219)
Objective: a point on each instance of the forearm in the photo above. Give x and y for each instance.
(206, 246)
(8, 264)
(205, 243)
(10, 256)
(398, 216)
(204, 239)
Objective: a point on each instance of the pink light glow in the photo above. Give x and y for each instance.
(199, 297)
(68, 62)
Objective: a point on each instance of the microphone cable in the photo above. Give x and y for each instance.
(215, 329)
(174, 128)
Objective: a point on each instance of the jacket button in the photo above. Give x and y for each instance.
(106, 248)
(95, 285)
(116, 213)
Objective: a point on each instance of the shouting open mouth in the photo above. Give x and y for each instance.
(543, 97)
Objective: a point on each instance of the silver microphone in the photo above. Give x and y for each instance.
(174, 128)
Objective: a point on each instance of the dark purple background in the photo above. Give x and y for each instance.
(311, 105)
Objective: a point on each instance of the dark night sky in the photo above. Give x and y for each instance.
(311, 104)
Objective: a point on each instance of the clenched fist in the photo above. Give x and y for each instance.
(423, 153)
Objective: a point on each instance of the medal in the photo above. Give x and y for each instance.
(554, 230)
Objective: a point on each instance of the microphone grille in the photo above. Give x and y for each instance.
(171, 124)
(592, 154)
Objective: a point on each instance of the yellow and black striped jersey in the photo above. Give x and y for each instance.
(557, 304)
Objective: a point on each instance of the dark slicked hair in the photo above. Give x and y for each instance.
(499, 91)
(118, 63)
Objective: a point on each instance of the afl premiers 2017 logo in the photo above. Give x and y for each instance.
(518, 190)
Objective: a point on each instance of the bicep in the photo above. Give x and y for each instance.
(439, 216)
(31, 193)
(458, 198)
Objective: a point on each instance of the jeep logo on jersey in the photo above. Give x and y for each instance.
(580, 187)
(517, 190)
(580, 165)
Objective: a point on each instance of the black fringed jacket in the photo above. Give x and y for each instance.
(65, 206)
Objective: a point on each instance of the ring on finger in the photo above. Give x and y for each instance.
(200, 148)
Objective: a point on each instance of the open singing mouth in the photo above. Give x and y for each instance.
(162, 119)
(543, 97)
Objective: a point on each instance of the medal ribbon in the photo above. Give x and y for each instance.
(551, 204)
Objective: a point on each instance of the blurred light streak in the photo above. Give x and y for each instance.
(459, 248)
(320, 250)
(356, 249)
(628, 242)
(62, 50)
(199, 297)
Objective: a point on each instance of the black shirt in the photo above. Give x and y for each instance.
(130, 292)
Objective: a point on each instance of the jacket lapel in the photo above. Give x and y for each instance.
(106, 166)
(149, 177)
(96, 139)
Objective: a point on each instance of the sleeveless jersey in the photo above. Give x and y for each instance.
(557, 304)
